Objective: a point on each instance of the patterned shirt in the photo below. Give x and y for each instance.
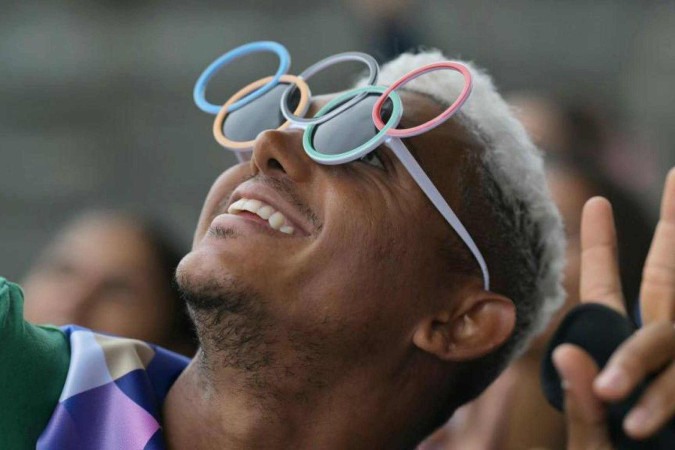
(71, 388)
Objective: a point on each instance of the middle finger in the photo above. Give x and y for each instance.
(648, 350)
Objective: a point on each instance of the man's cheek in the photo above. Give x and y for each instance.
(215, 202)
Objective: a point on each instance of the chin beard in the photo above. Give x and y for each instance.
(231, 324)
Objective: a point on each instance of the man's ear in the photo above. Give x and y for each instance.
(480, 323)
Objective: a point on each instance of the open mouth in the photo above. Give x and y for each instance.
(275, 219)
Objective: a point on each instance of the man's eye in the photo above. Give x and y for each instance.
(373, 158)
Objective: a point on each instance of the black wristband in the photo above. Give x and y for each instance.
(599, 330)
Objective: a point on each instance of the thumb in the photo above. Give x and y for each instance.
(584, 412)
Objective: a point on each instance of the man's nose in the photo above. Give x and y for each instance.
(278, 152)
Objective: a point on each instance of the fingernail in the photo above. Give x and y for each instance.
(637, 420)
(561, 369)
(612, 378)
(564, 384)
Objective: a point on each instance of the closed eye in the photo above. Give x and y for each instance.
(374, 159)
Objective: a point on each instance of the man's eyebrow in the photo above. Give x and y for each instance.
(407, 123)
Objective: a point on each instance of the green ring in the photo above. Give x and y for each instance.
(353, 154)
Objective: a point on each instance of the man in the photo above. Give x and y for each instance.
(365, 322)
(376, 301)
(351, 313)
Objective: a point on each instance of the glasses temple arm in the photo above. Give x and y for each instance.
(427, 186)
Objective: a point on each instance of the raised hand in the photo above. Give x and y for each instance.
(649, 350)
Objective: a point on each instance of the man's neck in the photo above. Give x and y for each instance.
(201, 412)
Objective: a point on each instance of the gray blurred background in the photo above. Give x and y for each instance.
(97, 95)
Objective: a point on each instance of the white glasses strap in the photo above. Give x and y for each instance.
(439, 202)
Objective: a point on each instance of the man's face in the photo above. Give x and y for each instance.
(362, 263)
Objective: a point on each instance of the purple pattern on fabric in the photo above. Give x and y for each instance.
(156, 442)
(65, 433)
(106, 419)
(164, 368)
(137, 387)
(88, 356)
(115, 415)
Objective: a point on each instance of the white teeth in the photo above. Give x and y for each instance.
(287, 229)
(252, 205)
(236, 206)
(266, 211)
(275, 219)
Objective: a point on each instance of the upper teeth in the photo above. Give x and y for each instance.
(274, 218)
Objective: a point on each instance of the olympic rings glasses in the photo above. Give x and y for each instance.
(346, 129)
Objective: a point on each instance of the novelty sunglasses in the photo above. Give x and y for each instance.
(348, 128)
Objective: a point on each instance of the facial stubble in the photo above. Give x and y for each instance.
(231, 323)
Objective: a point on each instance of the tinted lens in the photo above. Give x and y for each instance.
(261, 114)
(350, 129)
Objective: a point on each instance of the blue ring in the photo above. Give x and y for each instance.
(246, 49)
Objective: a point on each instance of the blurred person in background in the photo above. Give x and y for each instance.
(572, 182)
(579, 129)
(111, 271)
(576, 146)
(504, 415)
(550, 124)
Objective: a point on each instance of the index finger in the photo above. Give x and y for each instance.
(600, 281)
(657, 292)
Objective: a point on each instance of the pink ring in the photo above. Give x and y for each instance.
(436, 121)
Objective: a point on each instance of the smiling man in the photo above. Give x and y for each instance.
(335, 306)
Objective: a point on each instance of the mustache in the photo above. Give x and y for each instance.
(284, 187)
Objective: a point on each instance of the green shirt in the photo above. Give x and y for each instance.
(33, 366)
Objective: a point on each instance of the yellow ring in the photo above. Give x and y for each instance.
(246, 145)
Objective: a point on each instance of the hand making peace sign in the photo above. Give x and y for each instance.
(650, 349)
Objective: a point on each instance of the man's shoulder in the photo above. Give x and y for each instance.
(120, 356)
(130, 377)
(67, 372)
